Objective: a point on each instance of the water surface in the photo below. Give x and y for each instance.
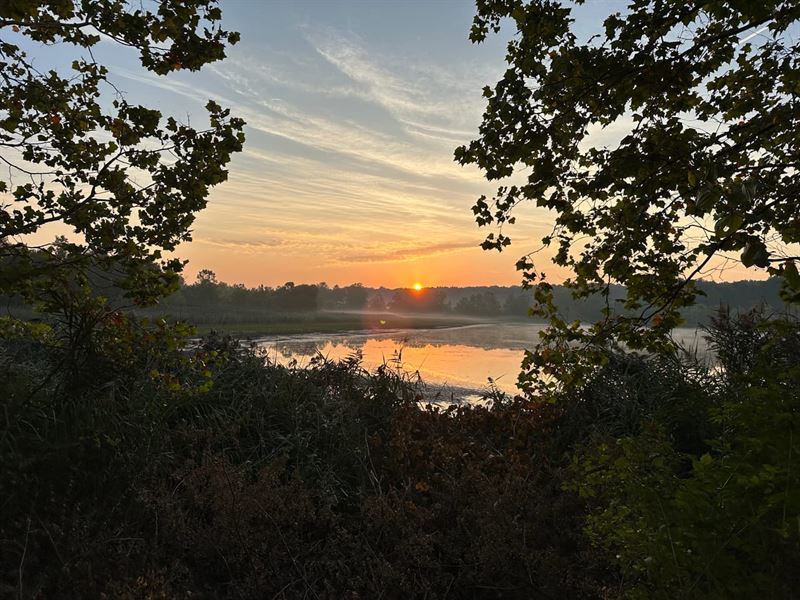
(455, 360)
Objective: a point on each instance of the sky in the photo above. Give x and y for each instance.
(353, 111)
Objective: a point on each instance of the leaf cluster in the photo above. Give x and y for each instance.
(705, 171)
(124, 179)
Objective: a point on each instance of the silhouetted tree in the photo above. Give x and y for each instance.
(708, 165)
(76, 148)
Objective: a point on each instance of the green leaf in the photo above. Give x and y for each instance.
(728, 224)
(755, 253)
(707, 197)
(791, 275)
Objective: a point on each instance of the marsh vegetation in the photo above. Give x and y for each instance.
(140, 459)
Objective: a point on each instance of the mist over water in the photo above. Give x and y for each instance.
(457, 361)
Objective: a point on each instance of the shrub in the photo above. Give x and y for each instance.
(717, 520)
(161, 471)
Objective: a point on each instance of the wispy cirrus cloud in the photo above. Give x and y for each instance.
(408, 252)
(416, 94)
(349, 152)
(335, 250)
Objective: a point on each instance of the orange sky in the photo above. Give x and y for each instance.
(353, 112)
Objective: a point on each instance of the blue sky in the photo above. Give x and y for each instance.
(354, 109)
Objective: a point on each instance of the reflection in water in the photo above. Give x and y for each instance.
(456, 359)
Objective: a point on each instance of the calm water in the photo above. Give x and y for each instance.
(456, 360)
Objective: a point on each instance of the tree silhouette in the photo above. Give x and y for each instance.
(124, 179)
(707, 94)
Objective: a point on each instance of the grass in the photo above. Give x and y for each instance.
(325, 322)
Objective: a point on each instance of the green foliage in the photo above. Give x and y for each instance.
(479, 304)
(167, 471)
(708, 167)
(719, 520)
(133, 464)
(124, 179)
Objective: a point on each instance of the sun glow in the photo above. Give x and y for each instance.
(417, 287)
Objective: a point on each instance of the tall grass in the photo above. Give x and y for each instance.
(158, 472)
(134, 467)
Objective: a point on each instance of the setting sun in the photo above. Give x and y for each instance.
(417, 286)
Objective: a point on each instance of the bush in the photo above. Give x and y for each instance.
(717, 519)
(134, 465)
(156, 471)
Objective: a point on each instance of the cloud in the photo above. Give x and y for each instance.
(339, 248)
(173, 85)
(246, 246)
(399, 96)
(349, 155)
(410, 252)
(360, 149)
(408, 90)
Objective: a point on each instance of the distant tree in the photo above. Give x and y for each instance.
(376, 302)
(425, 300)
(518, 302)
(708, 94)
(124, 179)
(205, 291)
(206, 277)
(296, 298)
(355, 297)
(240, 296)
(485, 304)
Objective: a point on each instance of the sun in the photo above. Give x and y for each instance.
(417, 287)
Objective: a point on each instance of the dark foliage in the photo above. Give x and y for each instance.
(702, 498)
(697, 162)
(132, 466)
(71, 142)
(163, 473)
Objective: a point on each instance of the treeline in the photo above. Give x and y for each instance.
(207, 298)
(209, 294)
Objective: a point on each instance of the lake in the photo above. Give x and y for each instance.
(452, 360)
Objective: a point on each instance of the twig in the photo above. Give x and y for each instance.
(22, 558)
